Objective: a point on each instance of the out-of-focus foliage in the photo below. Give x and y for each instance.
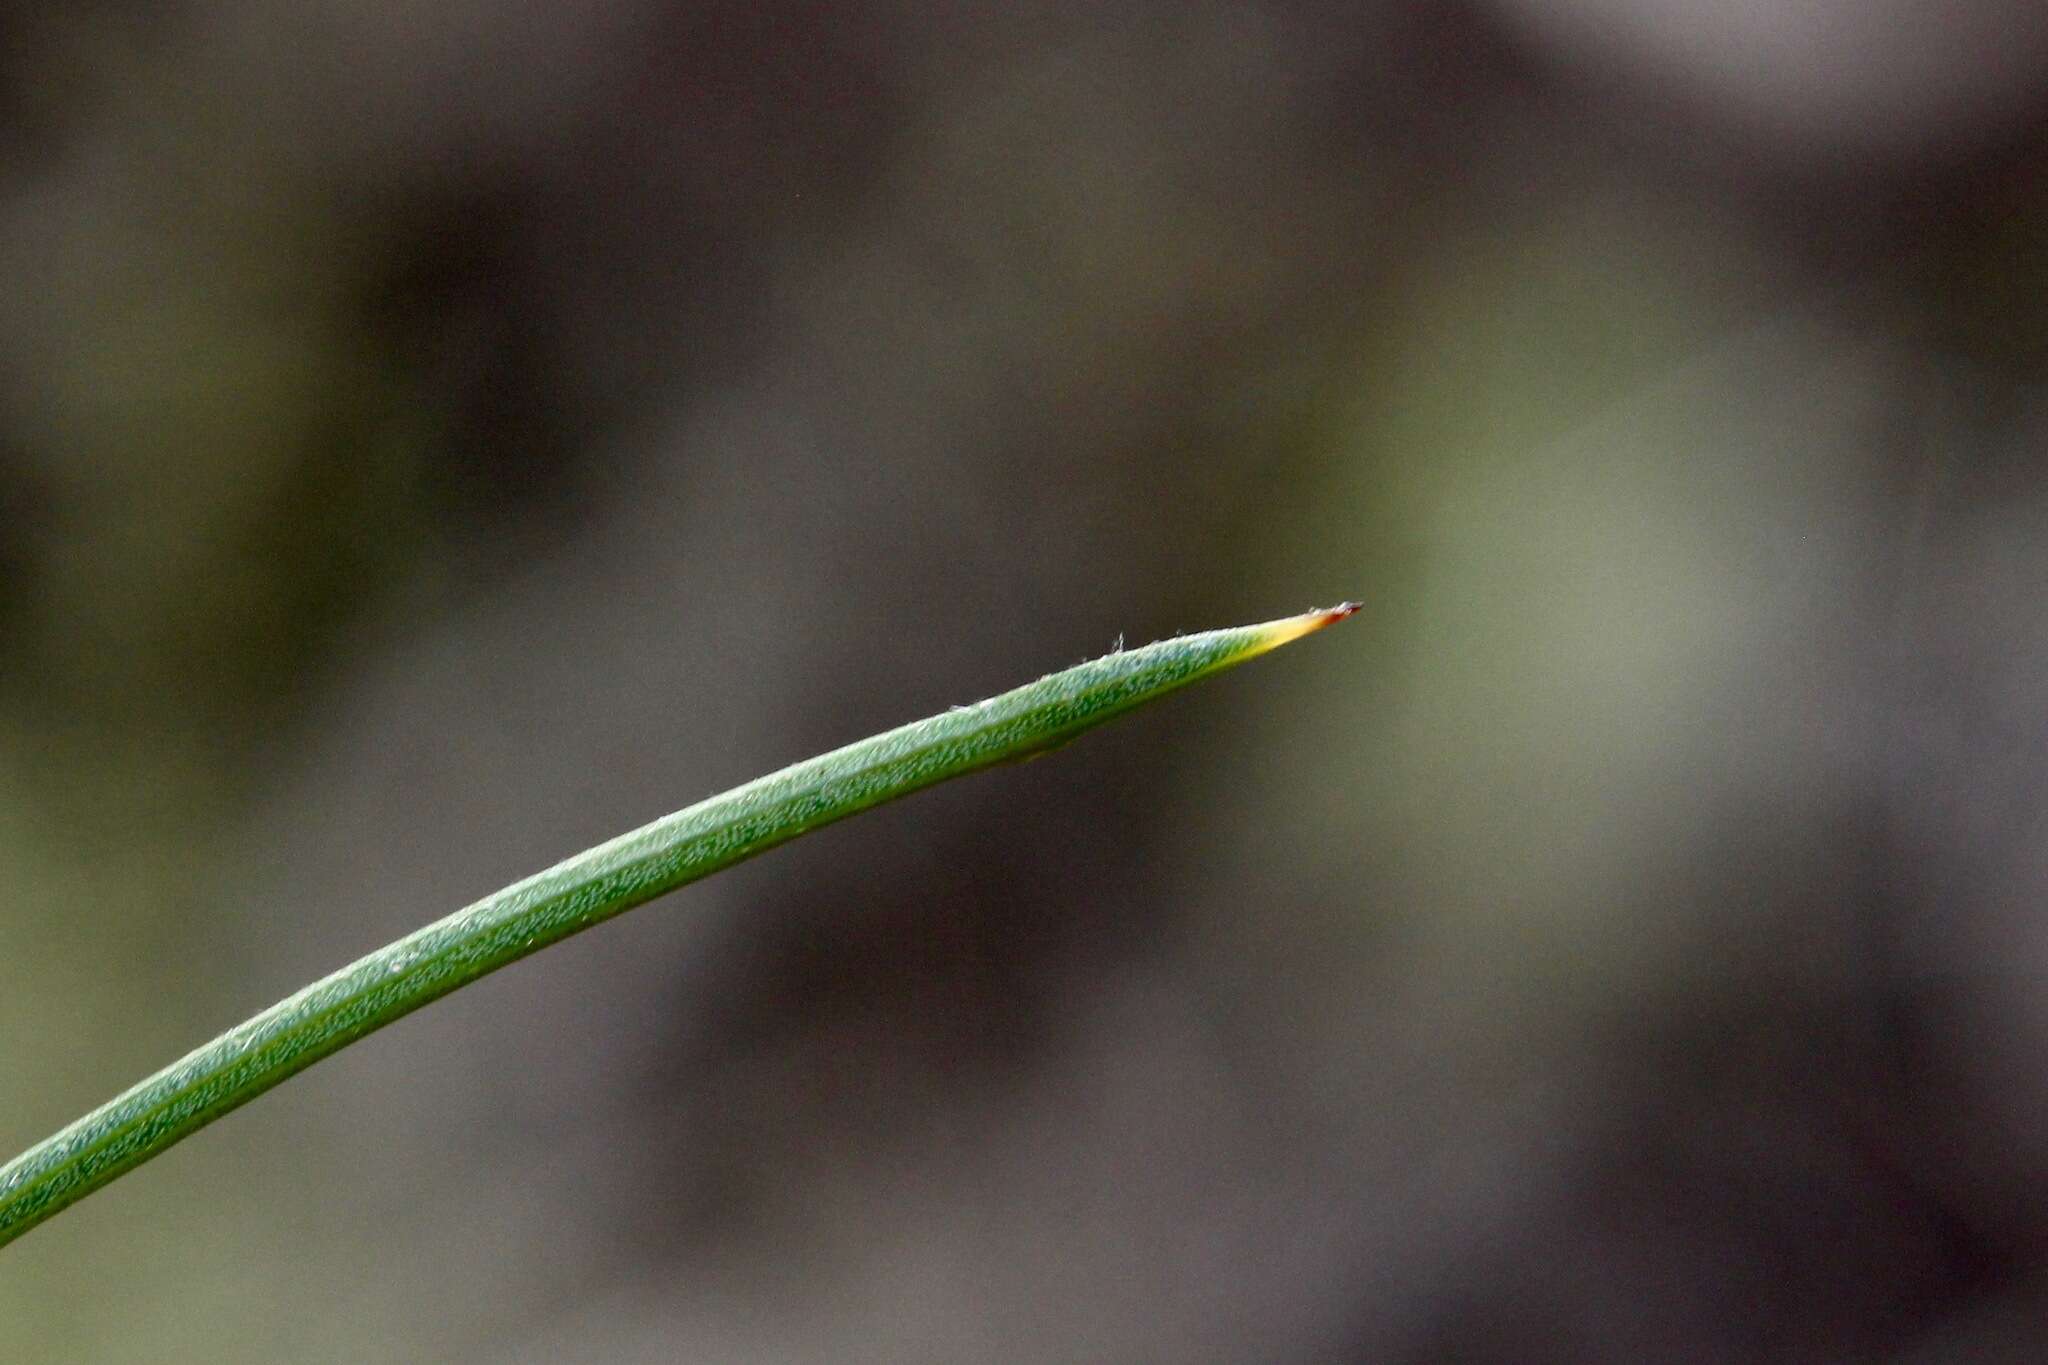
(1629, 950)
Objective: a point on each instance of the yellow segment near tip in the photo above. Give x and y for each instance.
(1293, 628)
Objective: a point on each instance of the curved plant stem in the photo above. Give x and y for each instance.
(595, 885)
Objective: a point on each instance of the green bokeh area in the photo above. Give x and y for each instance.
(434, 440)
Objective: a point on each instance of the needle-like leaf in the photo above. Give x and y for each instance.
(595, 885)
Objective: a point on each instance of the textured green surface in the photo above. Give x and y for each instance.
(595, 885)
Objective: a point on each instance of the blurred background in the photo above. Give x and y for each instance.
(435, 437)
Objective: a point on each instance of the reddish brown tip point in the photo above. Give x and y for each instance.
(1276, 633)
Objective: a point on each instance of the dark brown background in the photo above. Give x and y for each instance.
(434, 437)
